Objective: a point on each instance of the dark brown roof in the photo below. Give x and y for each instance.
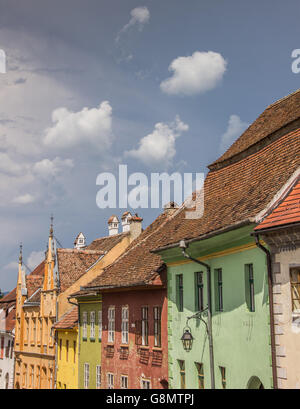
(69, 320)
(105, 244)
(240, 191)
(8, 299)
(137, 266)
(275, 117)
(73, 263)
(33, 282)
(10, 321)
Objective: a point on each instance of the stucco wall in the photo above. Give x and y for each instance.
(241, 339)
(67, 369)
(287, 331)
(6, 363)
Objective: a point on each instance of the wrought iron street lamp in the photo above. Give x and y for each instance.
(187, 339)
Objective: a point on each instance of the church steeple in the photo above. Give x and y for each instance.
(50, 260)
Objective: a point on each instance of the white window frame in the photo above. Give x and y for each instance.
(124, 382)
(110, 381)
(145, 325)
(98, 376)
(84, 324)
(86, 375)
(92, 324)
(125, 324)
(145, 382)
(111, 324)
(100, 324)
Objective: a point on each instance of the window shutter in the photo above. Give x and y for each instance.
(138, 332)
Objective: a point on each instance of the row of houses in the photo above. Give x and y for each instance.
(209, 302)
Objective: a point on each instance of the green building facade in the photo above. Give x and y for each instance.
(240, 313)
(90, 333)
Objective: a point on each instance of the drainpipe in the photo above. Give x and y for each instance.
(271, 305)
(183, 247)
(79, 345)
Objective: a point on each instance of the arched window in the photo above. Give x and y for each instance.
(255, 383)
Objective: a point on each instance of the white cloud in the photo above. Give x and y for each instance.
(51, 168)
(158, 148)
(24, 199)
(75, 128)
(35, 258)
(9, 166)
(195, 74)
(13, 265)
(234, 129)
(139, 16)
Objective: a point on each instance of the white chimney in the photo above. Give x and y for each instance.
(126, 221)
(113, 225)
(80, 241)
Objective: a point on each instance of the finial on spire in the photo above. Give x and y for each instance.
(51, 226)
(21, 254)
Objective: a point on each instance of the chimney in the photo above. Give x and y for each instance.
(113, 225)
(135, 226)
(80, 241)
(126, 221)
(170, 208)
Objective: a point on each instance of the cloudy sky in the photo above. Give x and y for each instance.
(157, 85)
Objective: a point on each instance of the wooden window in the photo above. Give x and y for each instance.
(84, 325)
(100, 324)
(223, 376)
(138, 332)
(124, 382)
(110, 381)
(157, 326)
(111, 324)
(182, 373)
(125, 324)
(249, 287)
(179, 292)
(295, 289)
(200, 373)
(86, 375)
(7, 349)
(145, 384)
(145, 326)
(60, 348)
(67, 350)
(98, 376)
(219, 289)
(92, 324)
(74, 351)
(199, 294)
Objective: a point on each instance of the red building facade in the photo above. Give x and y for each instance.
(135, 340)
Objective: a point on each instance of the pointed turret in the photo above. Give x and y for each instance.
(21, 274)
(50, 260)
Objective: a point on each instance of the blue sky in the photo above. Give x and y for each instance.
(84, 86)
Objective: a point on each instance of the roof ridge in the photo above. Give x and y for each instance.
(283, 99)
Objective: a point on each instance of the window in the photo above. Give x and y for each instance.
(45, 331)
(60, 348)
(27, 330)
(86, 375)
(110, 381)
(34, 331)
(125, 324)
(92, 324)
(249, 287)
(223, 376)
(218, 289)
(111, 324)
(67, 350)
(100, 324)
(199, 296)
(32, 377)
(2, 348)
(200, 373)
(84, 325)
(124, 382)
(146, 384)
(179, 292)
(157, 326)
(11, 349)
(144, 325)
(182, 373)
(7, 349)
(295, 289)
(74, 351)
(25, 376)
(98, 376)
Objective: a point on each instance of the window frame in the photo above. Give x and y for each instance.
(157, 310)
(145, 325)
(125, 324)
(86, 376)
(84, 325)
(179, 292)
(111, 314)
(92, 324)
(98, 376)
(199, 291)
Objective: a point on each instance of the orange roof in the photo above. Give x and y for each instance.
(287, 212)
(69, 320)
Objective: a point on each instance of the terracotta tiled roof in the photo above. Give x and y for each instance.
(106, 243)
(8, 299)
(69, 320)
(137, 266)
(111, 219)
(275, 117)
(73, 263)
(240, 191)
(33, 282)
(10, 321)
(287, 212)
